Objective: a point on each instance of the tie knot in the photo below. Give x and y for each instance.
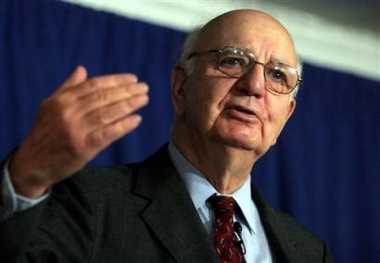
(222, 204)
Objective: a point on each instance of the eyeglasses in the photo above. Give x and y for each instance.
(236, 63)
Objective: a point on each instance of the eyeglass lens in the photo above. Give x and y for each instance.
(237, 63)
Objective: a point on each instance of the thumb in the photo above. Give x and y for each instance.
(77, 77)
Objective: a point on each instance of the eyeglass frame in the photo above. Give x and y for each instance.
(252, 62)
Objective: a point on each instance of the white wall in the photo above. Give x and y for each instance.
(319, 42)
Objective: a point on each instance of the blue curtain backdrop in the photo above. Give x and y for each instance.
(325, 169)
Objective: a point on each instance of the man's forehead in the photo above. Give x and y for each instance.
(248, 30)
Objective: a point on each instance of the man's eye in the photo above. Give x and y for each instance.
(232, 62)
(277, 75)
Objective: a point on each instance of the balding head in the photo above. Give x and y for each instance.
(240, 26)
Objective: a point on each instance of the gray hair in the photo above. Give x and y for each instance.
(299, 70)
(187, 48)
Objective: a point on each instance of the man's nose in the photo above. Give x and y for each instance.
(253, 82)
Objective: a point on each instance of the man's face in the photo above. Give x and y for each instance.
(240, 113)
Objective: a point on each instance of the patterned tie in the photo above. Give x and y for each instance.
(226, 242)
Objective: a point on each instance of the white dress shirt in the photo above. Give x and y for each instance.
(253, 235)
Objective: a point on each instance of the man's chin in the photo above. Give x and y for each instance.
(246, 145)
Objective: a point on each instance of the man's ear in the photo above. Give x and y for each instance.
(292, 106)
(178, 80)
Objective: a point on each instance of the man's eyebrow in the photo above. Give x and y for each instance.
(249, 50)
(280, 61)
(271, 58)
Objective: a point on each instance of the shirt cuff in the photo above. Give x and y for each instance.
(11, 201)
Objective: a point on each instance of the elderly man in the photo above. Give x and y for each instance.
(192, 201)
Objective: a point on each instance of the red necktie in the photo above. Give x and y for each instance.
(226, 242)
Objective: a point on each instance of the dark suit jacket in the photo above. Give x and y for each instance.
(135, 213)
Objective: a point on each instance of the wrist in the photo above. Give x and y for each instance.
(26, 183)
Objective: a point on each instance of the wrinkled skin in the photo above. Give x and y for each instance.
(225, 124)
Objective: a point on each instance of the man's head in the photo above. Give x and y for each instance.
(221, 96)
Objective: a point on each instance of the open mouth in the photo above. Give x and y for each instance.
(242, 113)
(242, 109)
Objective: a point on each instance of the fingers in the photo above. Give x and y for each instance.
(98, 101)
(110, 112)
(78, 76)
(97, 84)
(106, 114)
(78, 85)
(106, 97)
(101, 138)
(99, 110)
(90, 104)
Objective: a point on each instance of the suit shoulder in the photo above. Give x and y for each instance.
(294, 239)
(96, 184)
(288, 223)
(290, 240)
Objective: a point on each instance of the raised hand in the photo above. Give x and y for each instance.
(82, 117)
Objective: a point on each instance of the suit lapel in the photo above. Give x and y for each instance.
(281, 237)
(170, 213)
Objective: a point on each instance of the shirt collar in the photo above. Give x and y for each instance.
(200, 189)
